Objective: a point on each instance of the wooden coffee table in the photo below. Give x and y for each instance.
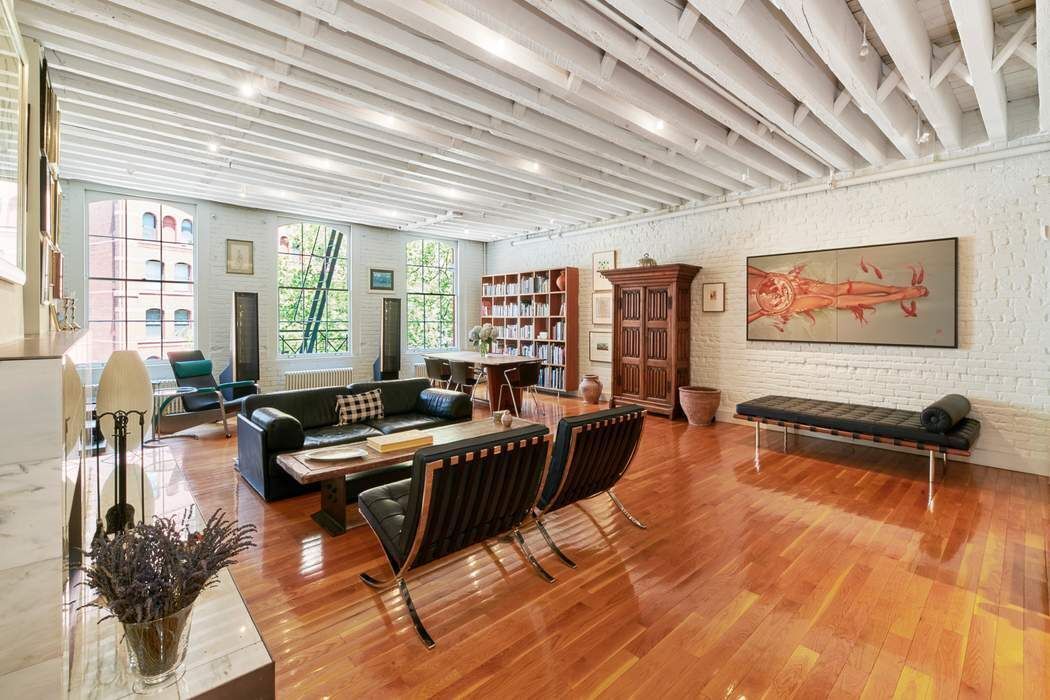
(332, 475)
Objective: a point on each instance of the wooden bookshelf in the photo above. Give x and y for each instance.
(527, 305)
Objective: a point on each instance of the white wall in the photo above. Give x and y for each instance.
(370, 247)
(1003, 360)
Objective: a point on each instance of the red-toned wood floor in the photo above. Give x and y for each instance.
(821, 574)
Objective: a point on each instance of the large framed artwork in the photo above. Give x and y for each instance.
(891, 294)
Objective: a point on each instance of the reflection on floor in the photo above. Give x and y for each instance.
(821, 573)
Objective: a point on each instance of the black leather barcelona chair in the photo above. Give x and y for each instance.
(591, 454)
(460, 494)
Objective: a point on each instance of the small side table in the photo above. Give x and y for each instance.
(161, 398)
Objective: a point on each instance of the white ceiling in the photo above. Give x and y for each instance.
(486, 119)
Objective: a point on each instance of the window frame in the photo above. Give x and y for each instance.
(456, 249)
(133, 231)
(347, 256)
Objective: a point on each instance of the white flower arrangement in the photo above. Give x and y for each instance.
(482, 337)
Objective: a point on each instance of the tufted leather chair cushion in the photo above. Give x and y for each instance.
(856, 418)
(385, 508)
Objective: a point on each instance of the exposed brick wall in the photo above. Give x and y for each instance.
(1002, 364)
(370, 247)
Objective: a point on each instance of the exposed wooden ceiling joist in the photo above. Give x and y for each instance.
(973, 20)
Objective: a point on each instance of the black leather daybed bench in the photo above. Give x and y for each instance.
(941, 428)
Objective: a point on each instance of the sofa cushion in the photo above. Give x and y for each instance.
(399, 395)
(861, 419)
(327, 436)
(356, 408)
(450, 405)
(406, 421)
(313, 407)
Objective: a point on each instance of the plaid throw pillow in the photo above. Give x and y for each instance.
(355, 408)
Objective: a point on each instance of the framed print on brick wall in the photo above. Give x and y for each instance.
(602, 308)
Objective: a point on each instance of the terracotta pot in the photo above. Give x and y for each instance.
(591, 388)
(699, 403)
(559, 282)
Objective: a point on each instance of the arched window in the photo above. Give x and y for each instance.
(182, 271)
(182, 322)
(153, 319)
(149, 226)
(168, 226)
(186, 232)
(154, 269)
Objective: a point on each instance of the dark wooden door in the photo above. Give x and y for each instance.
(627, 380)
(658, 364)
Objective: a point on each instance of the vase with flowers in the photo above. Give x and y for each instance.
(482, 337)
(148, 577)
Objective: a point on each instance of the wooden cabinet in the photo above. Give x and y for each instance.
(651, 309)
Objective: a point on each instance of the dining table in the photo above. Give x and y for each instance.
(495, 365)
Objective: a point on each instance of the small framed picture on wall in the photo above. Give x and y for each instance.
(714, 296)
(600, 261)
(602, 308)
(600, 346)
(240, 257)
(380, 280)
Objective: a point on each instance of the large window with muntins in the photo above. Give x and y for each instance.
(313, 290)
(430, 273)
(140, 281)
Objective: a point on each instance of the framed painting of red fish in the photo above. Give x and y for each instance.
(890, 294)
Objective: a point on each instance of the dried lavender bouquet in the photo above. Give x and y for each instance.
(153, 570)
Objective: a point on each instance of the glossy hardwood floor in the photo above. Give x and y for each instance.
(820, 574)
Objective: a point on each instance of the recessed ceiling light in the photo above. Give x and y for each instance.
(658, 124)
(247, 89)
(213, 147)
(452, 192)
(532, 165)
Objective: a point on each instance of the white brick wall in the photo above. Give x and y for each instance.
(1002, 364)
(370, 247)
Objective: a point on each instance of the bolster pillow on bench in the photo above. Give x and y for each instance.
(942, 415)
(283, 432)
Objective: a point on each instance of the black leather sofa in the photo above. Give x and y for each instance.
(286, 421)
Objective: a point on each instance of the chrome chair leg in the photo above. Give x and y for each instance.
(374, 582)
(536, 400)
(553, 547)
(402, 587)
(531, 559)
(634, 521)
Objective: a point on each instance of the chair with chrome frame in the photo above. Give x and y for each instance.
(591, 454)
(460, 494)
(209, 403)
(525, 377)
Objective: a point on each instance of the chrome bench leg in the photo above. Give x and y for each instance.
(554, 548)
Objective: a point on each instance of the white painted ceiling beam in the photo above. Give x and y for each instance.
(564, 48)
(545, 114)
(713, 55)
(136, 25)
(1014, 43)
(758, 33)
(486, 89)
(973, 21)
(620, 44)
(903, 31)
(835, 36)
(1024, 50)
(411, 153)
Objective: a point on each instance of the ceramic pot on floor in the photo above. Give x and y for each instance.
(591, 388)
(700, 403)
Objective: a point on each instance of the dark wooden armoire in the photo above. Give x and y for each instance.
(651, 308)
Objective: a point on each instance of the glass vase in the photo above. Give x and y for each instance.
(157, 649)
